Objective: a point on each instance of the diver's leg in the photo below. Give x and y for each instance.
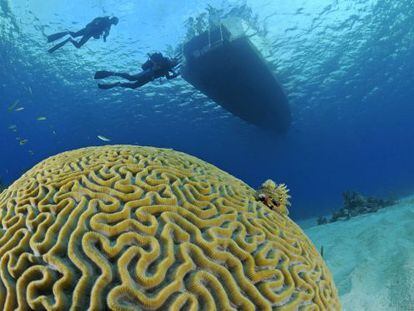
(131, 85)
(102, 74)
(79, 33)
(108, 86)
(126, 76)
(81, 42)
(124, 85)
(57, 36)
(58, 46)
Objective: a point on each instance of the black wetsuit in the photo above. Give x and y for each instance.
(157, 66)
(98, 27)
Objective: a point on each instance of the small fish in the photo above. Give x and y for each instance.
(19, 109)
(14, 105)
(41, 118)
(31, 152)
(103, 138)
(12, 127)
(30, 91)
(23, 142)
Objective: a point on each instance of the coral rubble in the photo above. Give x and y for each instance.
(140, 228)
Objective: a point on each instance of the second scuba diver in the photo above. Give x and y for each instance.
(98, 27)
(157, 66)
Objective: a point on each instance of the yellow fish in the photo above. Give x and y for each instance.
(12, 106)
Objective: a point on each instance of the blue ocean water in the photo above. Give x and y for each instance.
(346, 66)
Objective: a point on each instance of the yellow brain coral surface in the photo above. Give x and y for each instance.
(138, 228)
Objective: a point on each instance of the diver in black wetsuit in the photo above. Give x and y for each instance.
(98, 27)
(155, 67)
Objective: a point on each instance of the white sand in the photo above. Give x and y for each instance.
(371, 258)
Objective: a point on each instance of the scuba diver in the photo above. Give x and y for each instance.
(155, 67)
(98, 27)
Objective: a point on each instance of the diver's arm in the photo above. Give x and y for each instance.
(107, 21)
(106, 33)
(171, 75)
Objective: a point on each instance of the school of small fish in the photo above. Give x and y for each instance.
(14, 107)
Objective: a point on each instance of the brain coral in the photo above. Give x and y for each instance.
(137, 228)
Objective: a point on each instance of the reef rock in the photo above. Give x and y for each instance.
(138, 228)
(356, 204)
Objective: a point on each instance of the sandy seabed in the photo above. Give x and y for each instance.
(371, 257)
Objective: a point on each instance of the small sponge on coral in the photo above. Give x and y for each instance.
(137, 228)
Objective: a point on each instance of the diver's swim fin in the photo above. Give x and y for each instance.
(107, 86)
(57, 36)
(103, 74)
(58, 46)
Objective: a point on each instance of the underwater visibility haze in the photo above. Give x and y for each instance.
(346, 69)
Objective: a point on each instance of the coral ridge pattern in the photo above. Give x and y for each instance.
(141, 228)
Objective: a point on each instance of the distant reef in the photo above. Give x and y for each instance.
(356, 204)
